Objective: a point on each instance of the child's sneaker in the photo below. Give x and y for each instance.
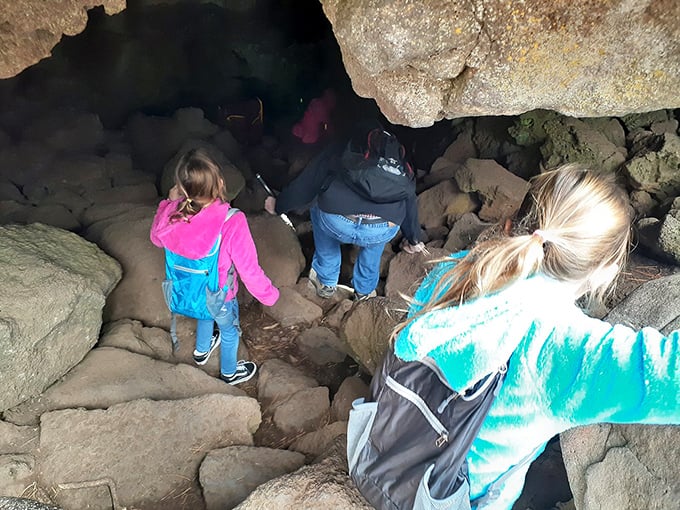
(201, 358)
(245, 370)
(323, 291)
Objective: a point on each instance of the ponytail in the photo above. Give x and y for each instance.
(578, 225)
(199, 180)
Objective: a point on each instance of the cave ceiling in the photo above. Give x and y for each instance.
(423, 61)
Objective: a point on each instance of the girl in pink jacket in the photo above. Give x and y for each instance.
(189, 223)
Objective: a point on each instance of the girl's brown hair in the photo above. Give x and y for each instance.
(579, 226)
(199, 179)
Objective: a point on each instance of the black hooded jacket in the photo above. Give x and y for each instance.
(321, 180)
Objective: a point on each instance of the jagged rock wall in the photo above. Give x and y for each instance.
(424, 60)
(29, 29)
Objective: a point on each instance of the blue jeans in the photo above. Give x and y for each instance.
(227, 320)
(332, 230)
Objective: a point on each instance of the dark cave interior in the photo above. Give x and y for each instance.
(156, 59)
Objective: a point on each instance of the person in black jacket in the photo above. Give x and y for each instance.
(341, 215)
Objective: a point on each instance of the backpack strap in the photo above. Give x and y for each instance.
(230, 273)
(173, 332)
(230, 281)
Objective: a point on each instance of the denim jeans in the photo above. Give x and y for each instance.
(332, 230)
(227, 319)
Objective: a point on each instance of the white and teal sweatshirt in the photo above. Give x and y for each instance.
(565, 369)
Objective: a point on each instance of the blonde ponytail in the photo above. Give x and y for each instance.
(578, 225)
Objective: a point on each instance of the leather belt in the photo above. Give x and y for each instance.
(366, 219)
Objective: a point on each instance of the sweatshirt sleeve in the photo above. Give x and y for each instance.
(615, 374)
(306, 186)
(238, 247)
(160, 221)
(411, 226)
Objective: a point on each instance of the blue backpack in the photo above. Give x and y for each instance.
(191, 286)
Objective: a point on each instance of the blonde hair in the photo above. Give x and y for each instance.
(199, 179)
(582, 226)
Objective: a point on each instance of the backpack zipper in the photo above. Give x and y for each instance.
(191, 270)
(415, 399)
(501, 370)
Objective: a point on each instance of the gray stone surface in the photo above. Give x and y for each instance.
(150, 451)
(17, 472)
(229, 475)
(350, 389)
(51, 297)
(293, 309)
(279, 380)
(31, 29)
(17, 439)
(321, 345)
(320, 486)
(500, 191)
(629, 466)
(304, 411)
(138, 295)
(431, 60)
(367, 328)
(317, 442)
(7, 503)
(109, 376)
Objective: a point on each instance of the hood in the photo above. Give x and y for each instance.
(472, 340)
(193, 239)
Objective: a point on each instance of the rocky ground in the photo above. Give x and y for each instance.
(93, 393)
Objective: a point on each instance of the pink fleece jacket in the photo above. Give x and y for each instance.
(195, 238)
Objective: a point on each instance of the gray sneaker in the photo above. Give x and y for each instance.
(358, 296)
(323, 291)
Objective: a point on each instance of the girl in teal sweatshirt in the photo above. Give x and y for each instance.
(514, 298)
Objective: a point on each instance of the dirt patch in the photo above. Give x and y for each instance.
(267, 339)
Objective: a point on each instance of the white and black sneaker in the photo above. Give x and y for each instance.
(201, 358)
(245, 370)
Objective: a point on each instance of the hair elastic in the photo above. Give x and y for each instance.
(541, 235)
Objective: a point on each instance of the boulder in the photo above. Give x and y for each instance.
(407, 271)
(109, 376)
(367, 328)
(629, 466)
(655, 166)
(500, 191)
(138, 295)
(30, 38)
(51, 297)
(149, 451)
(320, 486)
(278, 249)
(572, 140)
(428, 61)
(229, 475)
(16, 473)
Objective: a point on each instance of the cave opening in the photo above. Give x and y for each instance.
(97, 122)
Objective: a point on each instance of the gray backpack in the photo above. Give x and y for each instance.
(407, 444)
